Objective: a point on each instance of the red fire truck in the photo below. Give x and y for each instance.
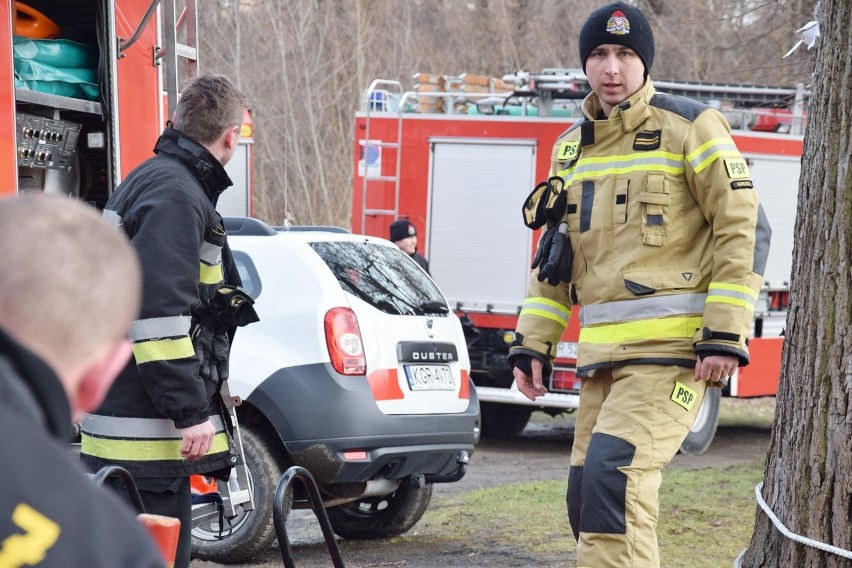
(458, 164)
(88, 86)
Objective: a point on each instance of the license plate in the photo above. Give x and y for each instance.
(429, 377)
(566, 350)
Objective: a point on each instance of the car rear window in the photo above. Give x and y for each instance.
(382, 276)
(248, 273)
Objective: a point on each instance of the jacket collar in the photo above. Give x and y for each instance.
(203, 165)
(632, 112)
(38, 389)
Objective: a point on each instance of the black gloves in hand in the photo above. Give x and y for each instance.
(221, 355)
(554, 256)
(213, 351)
(202, 342)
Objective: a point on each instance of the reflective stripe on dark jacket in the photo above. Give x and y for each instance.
(51, 514)
(166, 207)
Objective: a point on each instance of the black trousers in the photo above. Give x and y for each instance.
(170, 497)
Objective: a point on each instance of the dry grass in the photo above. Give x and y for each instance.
(706, 514)
(754, 412)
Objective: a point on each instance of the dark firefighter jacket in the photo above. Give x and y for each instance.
(166, 207)
(668, 236)
(51, 513)
(421, 260)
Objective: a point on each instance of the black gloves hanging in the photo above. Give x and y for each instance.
(554, 256)
(231, 307)
(546, 204)
(213, 350)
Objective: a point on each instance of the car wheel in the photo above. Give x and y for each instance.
(503, 420)
(704, 429)
(381, 517)
(250, 532)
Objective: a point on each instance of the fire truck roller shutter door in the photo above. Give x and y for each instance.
(465, 175)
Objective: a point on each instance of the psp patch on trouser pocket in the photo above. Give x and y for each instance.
(683, 396)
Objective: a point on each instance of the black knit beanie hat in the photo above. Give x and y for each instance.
(401, 229)
(621, 24)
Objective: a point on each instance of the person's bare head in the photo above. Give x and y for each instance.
(71, 287)
(210, 111)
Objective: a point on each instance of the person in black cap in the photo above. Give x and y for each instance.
(404, 235)
(652, 226)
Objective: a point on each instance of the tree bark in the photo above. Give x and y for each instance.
(808, 476)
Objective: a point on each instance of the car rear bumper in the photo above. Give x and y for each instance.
(324, 418)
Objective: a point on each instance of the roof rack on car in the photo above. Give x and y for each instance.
(247, 226)
(321, 228)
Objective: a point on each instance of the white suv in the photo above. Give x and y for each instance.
(357, 371)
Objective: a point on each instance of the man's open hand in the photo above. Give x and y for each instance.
(530, 386)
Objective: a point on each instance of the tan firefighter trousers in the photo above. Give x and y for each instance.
(630, 424)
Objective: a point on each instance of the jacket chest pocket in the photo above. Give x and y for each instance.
(573, 207)
(654, 204)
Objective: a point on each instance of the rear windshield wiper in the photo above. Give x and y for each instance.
(434, 307)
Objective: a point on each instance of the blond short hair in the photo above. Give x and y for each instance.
(70, 282)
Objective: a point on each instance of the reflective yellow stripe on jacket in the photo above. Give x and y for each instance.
(675, 316)
(140, 439)
(711, 151)
(161, 339)
(665, 328)
(546, 308)
(600, 166)
(741, 296)
(211, 265)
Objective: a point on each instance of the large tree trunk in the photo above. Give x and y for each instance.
(808, 477)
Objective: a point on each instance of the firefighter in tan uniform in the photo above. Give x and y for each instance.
(652, 227)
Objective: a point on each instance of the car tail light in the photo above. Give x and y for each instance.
(343, 338)
(565, 381)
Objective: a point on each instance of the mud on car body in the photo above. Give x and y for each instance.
(357, 371)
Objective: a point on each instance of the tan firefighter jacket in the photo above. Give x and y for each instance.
(669, 239)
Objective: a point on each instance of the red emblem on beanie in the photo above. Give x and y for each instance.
(618, 24)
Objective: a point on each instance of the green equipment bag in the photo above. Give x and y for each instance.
(56, 67)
